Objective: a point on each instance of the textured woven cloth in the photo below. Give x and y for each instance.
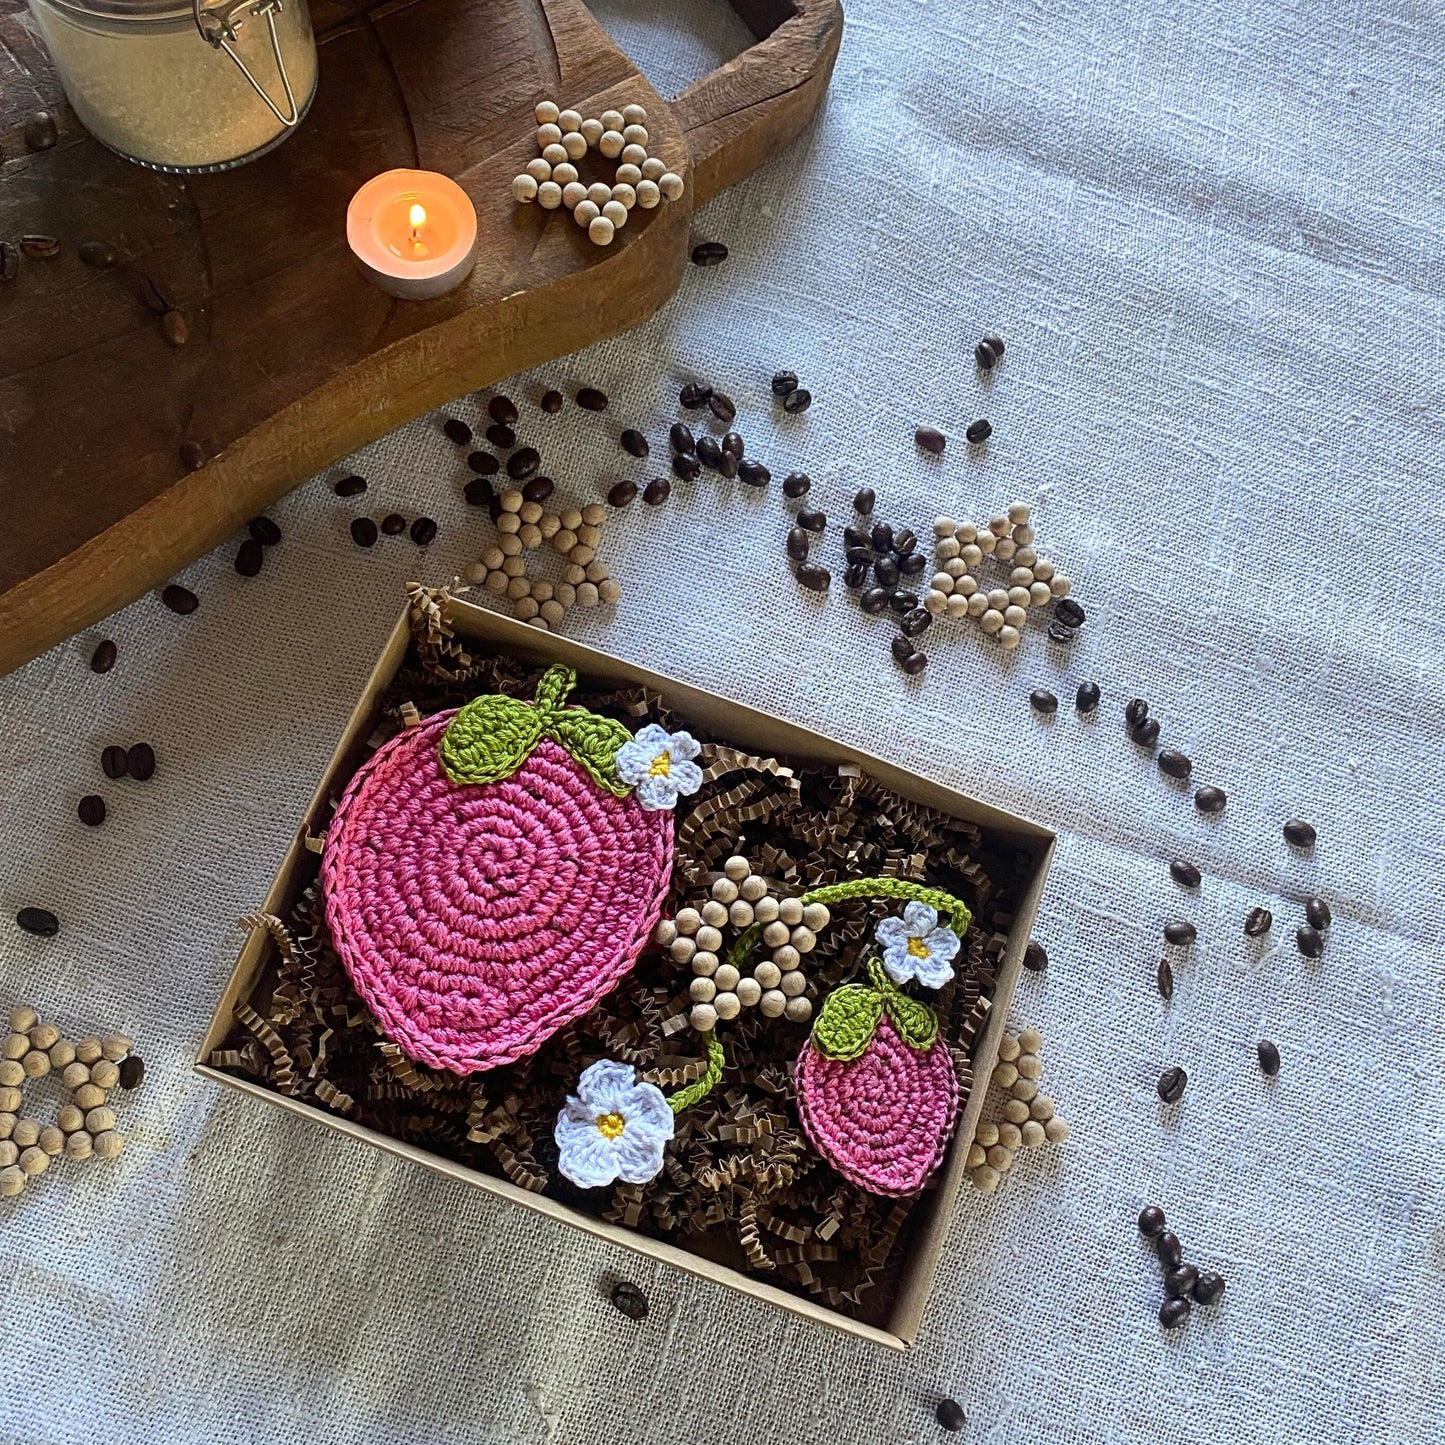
(1210, 233)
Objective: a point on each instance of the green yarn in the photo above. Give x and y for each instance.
(916, 1022)
(492, 736)
(957, 910)
(844, 1026)
(743, 945)
(686, 1098)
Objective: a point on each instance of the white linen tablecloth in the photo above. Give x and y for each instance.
(1210, 233)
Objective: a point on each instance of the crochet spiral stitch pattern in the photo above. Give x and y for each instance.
(476, 919)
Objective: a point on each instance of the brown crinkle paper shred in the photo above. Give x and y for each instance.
(741, 1185)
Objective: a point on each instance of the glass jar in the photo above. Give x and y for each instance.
(183, 85)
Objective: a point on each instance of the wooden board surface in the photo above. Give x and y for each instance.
(294, 360)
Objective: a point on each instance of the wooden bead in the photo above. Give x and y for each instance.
(552, 612)
(517, 588)
(987, 1135)
(702, 990)
(726, 977)
(991, 621)
(635, 135)
(624, 193)
(724, 890)
(1055, 1130)
(985, 1179)
(633, 115)
(587, 594)
(670, 184)
(62, 1053)
(1009, 638)
(79, 1146)
(1016, 1111)
(615, 212)
(1030, 1066)
(1043, 570)
(554, 154)
(609, 592)
(1001, 1159)
(510, 545)
(628, 175)
(546, 112)
(1018, 513)
(612, 120)
(601, 231)
(653, 169)
(34, 1161)
(1025, 1089)
(1039, 593)
(787, 957)
(648, 194)
(815, 917)
(740, 915)
(633, 155)
(1008, 1135)
(566, 594)
(69, 1118)
(1033, 1134)
(106, 1072)
(8, 1153)
(591, 130)
(1005, 1075)
(727, 1005)
(1030, 1041)
(593, 514)
(737, 868)
(524, 188)
(798, 1010)
(704, 964)
(26, 1132)
(10, 1100)
(986, 543)
(599, 194)
(12, 1073)
(965, 534)
(1025, 556)
(767, 973)
(529, 537)
(753, 888)
(1008, 1048)
(708, 937)
(682, 949)
(16, 1046)
(803, 939)
(575, 144)
(52, 1140)
(773, 1003)
(539, 170)
(89, 1096)
(107, 1145)
(975, 1156)
(611, 144)
(999, 525)
(792, 983)
(977, 605)
(1041, 1107)
(790, 911)
(496, 582)
(749, 991)
(89, 1049)
(571, 518)
(688, 920)
(957, 605)
(569, 119)
(765, 910)
(573, 194)
(42, 1036)
(714, 913)
(7, 1125)
(565, 174)
(22, 1020)
(526, 609)
(549, 195)
(776, 933)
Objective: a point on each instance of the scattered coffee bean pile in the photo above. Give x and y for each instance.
(794, 398)
(882, 563)
(1183, 1283)
(1028, 1117)
(89, 1069)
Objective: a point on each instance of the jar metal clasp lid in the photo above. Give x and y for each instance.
(219, 29)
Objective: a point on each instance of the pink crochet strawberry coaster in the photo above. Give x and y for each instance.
(490, 874)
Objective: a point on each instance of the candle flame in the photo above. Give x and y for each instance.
(417, 217)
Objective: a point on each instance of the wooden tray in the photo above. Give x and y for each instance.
(294, 360)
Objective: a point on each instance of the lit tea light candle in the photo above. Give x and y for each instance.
(414, 233)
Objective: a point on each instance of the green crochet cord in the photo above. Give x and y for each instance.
(492, 736)
(957, 910)
(686, 1098)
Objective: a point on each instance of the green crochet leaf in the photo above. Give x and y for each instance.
(845, 1024)
(916, 1023)
(552, 691)
(593, 740)
(489, 739)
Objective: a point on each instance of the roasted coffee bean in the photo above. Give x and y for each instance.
(1174, 763)
(393, 524)
(363, 531)
(1165, 979)
(1059, 633)
(1185, 874)
(1087, 697)
(1317, 911)
(796, 484)
(885, 572)
(478, 492)
(40, 130)
(1036, 956)
(912, 564)
(39, 921)
(1179, 1282)
(859, 554)
(1042, 700)
(785, 382)
(634, 443)
(180, 600)
(1151, 1221)
(864, 501)
(503, 409)
(754, 473)
(930, 439)
(682, 439)
(193, 456)
(539, 489)
(176, 328)
(589, 398)
(1208, 1287)
(874, 600)
(1299, 834)
(627, 1299)
(622, 494)
(657, 491)
(797, 544)
(882, 537)
(857, 537)
(523, 463)
(694, 395)
(457, 430)
(709, 253)
(113, 761)
(1210, 799)
(812, 520)
(92, 810)
(797, 402)
(904, 542)
(949, 1415)
(43, 248)
(978, 431)
(1268, 1058)
(727, 465)
(1310, 940)
(249, 557)
(814, 577)
(1172, 1083)
(1168, 1248)
(1068, 613)
(103, 658)
(685, 467)
(1147, 733)
(710, 452)
(9, 261)
(902, 647)
(733, 443)
(1181, 933)
(264, 530)
(98, 254)
(1136, 711)
(901, 601)
(1258, 922)
(1173, 1312)
(484, 464)
(140, 761)
(915, 622)
(992, 339)
(856, 575)
(501, 436)
(551, 402)
(722, 407)
(914, 663)
(423, 531)
(985, 356)
(132, 1071)
(350, 487)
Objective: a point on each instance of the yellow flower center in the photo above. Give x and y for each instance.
(610, 1125)
(661, 765)
(918, 948)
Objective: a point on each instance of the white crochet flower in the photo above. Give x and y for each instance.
(659, 765)
(612, 1128)
(914, 946)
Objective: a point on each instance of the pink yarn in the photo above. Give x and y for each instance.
(476, 920)
(883, 1120)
